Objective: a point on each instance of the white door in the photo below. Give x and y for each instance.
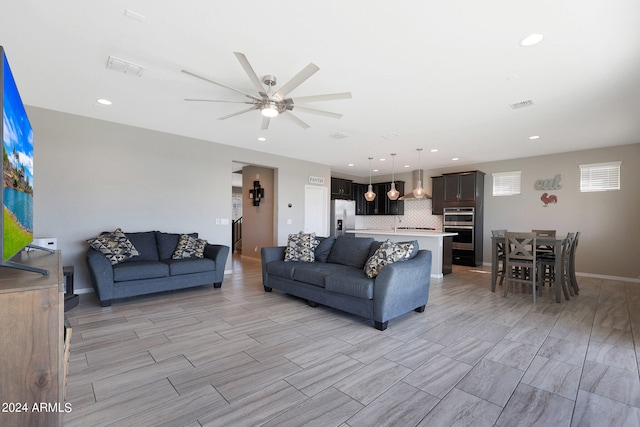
(316, 211)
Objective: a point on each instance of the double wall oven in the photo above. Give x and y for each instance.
(461, 221)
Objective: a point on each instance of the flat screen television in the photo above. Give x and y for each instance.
(17, 172)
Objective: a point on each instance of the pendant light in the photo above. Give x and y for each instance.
(370, 195)
(393, 194)
(419, 192)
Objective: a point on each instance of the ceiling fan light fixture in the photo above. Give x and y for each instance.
(270, 110)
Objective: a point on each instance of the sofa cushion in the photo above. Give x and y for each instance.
(315, 273)
(145, 243)
(351, 251)
(321, 253)
(283, 268)
(389, 252)
(350, 282)
(115, 246)
(413, 252)
(189, 265)
(300, 247)
(189, 247)
(139, 271)
(167, 243)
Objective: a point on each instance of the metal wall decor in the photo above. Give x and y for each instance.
(257, 193)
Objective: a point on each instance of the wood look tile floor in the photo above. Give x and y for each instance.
(238, 356)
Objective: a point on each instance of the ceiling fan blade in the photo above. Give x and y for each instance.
(326, 97)
(221, 85)
(250, 72)
(238, 113)
(218, 100)
(303, 75)
(265, 123)
(318, 112)
(296, 120)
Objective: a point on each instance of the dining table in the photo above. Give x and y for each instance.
(554, 242)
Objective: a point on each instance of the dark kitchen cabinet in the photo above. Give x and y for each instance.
(363, 207)
(381, 205)
(437, 195)
(463, 189)
(341, 189)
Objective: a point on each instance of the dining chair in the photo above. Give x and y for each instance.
(572, 264)
(547, 267)
(502, 268)
(521, 261)
(545, 250)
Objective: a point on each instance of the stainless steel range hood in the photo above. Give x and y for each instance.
(426, 184)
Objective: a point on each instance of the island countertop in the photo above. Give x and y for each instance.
(402, 232)
(438, 242)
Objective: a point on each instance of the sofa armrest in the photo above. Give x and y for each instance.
(401, 287)
(219, 254)
(269, 254)
(101, 273)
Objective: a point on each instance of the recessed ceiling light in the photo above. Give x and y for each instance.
(103, 101)
(262, 139)
(434, 150)
(376, 170)
(534, 137)
(351, 165)
(407, 166)
(455, 159)
(531, 39)
(382, 160)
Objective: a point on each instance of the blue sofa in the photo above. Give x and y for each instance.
(154, 270)
(337, 279)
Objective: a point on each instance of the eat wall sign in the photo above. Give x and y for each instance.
(549, 184)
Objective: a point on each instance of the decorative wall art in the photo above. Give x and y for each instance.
(549, 184)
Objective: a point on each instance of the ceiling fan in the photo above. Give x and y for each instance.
(274, 104)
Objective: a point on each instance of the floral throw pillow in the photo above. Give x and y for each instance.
(189, 247)
(115, 246)
(300, 247)
(388, 253)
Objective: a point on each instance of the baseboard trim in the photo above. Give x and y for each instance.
(596, 276)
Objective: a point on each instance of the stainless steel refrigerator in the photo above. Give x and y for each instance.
(343, 216)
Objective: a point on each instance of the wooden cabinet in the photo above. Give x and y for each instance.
(462, 189)
(32, 337)
(465, 189)
(437, 195)
(381, 205)
(341, 189)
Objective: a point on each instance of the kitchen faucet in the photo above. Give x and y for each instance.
(395, 226)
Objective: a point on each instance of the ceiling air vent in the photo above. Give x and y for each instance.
(126, 67)
(339, 135)
(522, 104)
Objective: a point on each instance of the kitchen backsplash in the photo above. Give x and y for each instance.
(417, 213)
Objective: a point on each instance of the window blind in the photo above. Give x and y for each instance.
(506, 183)
(600, 177)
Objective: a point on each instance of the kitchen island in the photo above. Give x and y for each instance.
(437, 242)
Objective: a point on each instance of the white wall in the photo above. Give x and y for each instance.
(92, 175)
